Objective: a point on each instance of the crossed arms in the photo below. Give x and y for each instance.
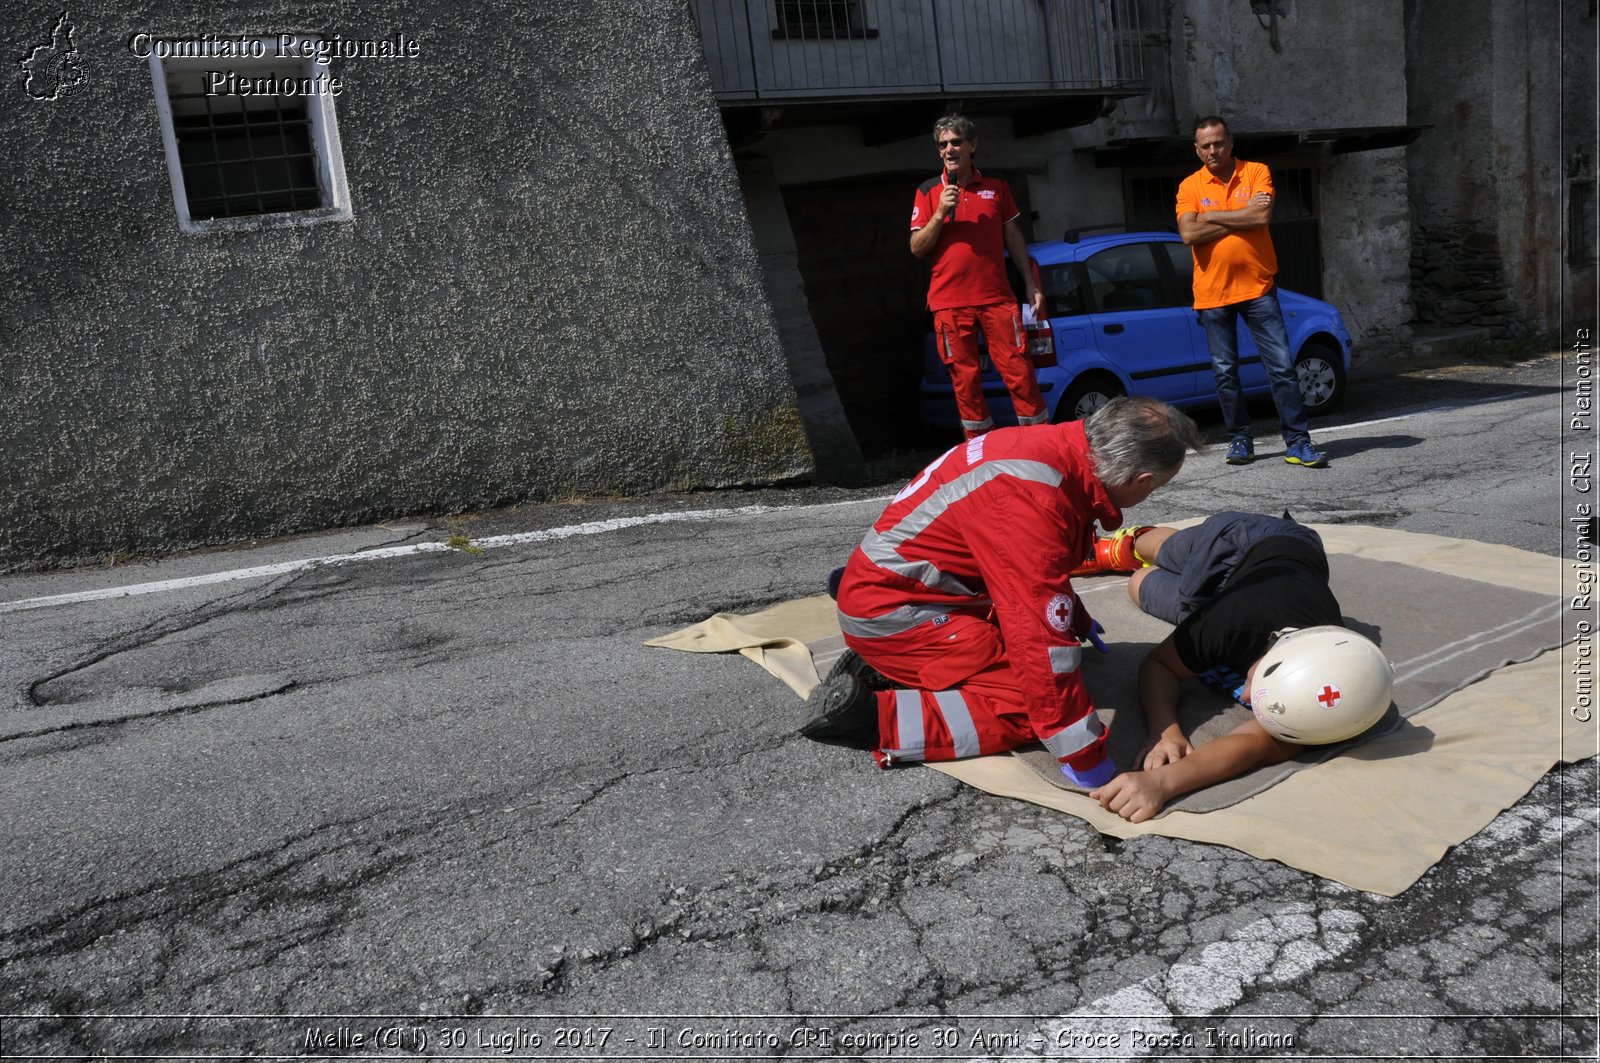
(1214, 224)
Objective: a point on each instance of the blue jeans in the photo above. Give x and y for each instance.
(1264, 318)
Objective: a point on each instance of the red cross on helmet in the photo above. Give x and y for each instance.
(1318, 685)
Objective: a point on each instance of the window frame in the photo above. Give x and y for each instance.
(1160, 272)
(791, 24)
(326, 146)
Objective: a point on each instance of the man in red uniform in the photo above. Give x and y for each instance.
(960, 594)
(966, 222)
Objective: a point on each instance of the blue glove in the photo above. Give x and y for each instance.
(1098, 775)
(1095, 631)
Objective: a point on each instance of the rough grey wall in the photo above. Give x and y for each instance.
(1336, 65)
(1578, 150)
(549, 286)
(1485, 180)
(1367, 247)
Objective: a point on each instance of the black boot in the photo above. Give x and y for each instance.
(842, 709)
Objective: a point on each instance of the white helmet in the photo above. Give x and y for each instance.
(1318, 685)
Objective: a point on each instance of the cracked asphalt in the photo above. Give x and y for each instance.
(449, 805)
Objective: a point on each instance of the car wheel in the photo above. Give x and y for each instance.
(1086, 395)
(1320, 372)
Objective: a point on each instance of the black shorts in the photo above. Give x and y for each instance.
(1193, 565)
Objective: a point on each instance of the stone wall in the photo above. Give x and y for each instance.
(1458, 280)
(1485, 177)
(548, 287)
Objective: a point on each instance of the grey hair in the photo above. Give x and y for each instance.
(1130, 436)
(959, 124)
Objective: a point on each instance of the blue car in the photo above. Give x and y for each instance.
(1121, 322)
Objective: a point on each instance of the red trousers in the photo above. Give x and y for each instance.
(956, 330)
(963, 700)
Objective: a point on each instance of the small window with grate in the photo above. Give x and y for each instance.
(1580, 224)
(251, 141)
(814, 20)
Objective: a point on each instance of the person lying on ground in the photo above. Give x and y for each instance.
(1255, 619)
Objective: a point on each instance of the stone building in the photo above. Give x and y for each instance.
(516, 255)
(507, 259)
(1416, 147)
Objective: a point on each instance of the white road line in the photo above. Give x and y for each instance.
(597, 527)
(1184, 1009)
(492, 542)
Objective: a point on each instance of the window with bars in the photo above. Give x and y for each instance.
(1580, 224)
(821, 20)
(250, 143)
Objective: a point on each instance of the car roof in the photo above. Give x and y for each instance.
(1055, 252)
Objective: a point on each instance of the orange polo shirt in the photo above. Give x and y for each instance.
(1238, 266)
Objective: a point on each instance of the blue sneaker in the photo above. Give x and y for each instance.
(1303, 453)
(1241, 452)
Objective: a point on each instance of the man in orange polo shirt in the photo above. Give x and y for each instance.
(966, 221)
(1223, 210)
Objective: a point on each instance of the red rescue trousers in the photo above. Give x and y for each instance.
(963, 699)
(956, 332)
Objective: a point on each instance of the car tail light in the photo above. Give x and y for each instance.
(1041, 345)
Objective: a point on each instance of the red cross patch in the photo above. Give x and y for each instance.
(1058, 613)
(1329, 695)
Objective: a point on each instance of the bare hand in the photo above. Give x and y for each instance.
(1038, 305)
(1261, 199)
(1168, 747)
(948, 199)
(1133, 795)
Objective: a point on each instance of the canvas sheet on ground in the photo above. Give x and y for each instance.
(1472, 729)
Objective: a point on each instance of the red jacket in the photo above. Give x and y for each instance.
(997, 522)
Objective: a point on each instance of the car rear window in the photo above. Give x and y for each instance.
(1062, 294)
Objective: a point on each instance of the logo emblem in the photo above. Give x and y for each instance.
(1329, 695)
(1058, 614)
(54, 69)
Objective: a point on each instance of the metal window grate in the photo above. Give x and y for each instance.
(819, 20)
(244, 155)
(1580, 224)
(1150, 202)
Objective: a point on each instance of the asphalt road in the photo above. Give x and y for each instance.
(452, 797)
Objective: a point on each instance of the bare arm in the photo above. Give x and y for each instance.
(1197, 229)
(924, 239)
(1138, 795)
(1161, 676)
(1017, 245)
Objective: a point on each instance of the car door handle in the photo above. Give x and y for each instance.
(1112, 330)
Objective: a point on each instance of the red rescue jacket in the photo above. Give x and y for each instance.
(996, 523)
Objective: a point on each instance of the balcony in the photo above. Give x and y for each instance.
(780, 52)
